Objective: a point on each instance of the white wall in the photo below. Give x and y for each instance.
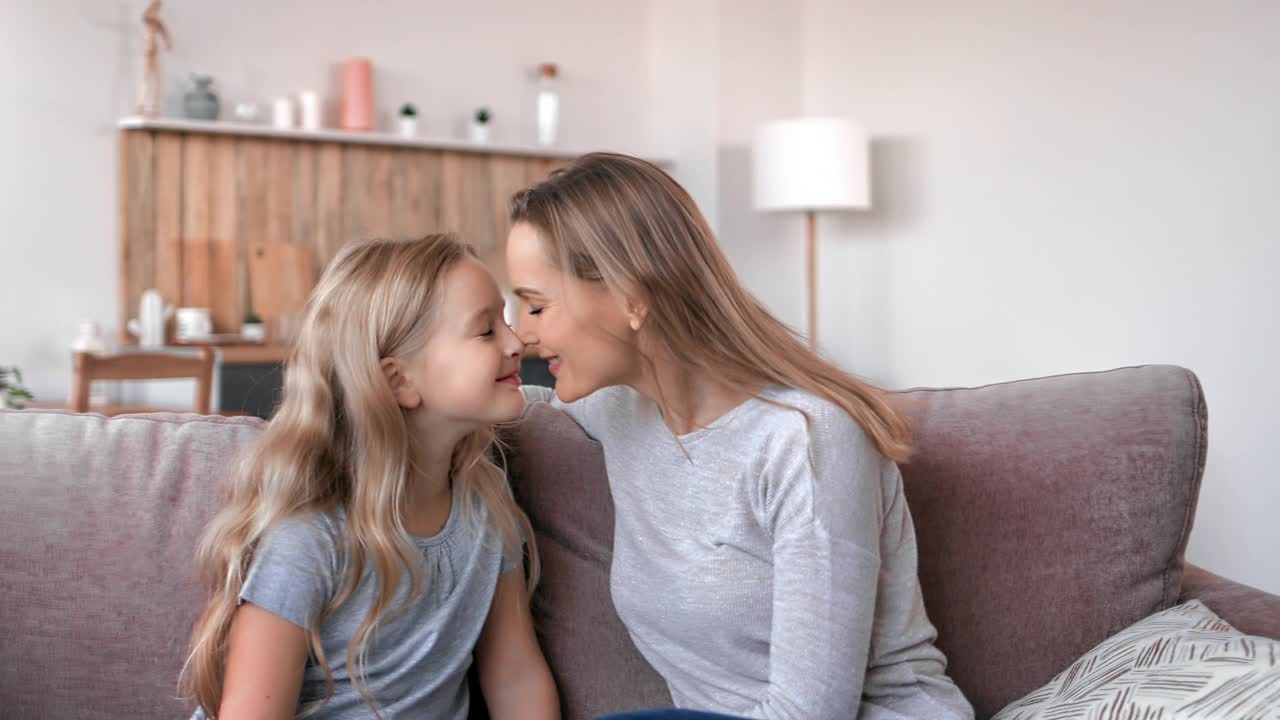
(1069, 186)
(1064, 187)
(69, 68)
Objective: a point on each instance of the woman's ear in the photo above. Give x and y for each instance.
(636, 312)
(401, 384)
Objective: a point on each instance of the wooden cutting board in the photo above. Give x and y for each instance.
(281, 276)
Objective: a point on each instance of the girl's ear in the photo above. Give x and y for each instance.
(400, 383)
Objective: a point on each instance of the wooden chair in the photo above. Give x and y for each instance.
(144, 366)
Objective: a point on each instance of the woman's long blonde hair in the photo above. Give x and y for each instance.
(340, 440)
(624, 222)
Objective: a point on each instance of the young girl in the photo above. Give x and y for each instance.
(764, 560)
(370, 544)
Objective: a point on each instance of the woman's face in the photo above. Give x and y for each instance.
(578, 326)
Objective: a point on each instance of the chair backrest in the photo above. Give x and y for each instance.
(144, 366)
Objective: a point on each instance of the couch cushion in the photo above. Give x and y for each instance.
(559, 478)
(99, 523)
(1050, 514)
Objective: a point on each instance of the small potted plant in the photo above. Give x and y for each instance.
(252, 330)
(408, 120)
(480, 125)
(12, 393)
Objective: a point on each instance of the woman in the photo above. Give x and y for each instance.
(764, 559)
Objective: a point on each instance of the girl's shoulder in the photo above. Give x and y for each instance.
(307, 532)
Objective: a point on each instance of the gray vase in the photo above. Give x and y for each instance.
(200, 103)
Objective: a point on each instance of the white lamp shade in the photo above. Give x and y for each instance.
(811, 164)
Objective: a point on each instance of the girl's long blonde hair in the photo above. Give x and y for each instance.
(338, 440)
(623, 221)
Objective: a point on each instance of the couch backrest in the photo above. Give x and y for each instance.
(1049, 514)
(97, 528)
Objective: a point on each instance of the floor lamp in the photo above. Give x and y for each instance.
(811, 165)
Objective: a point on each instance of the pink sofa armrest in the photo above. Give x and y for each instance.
(1250, 610)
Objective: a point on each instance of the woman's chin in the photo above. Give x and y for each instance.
(566, 392)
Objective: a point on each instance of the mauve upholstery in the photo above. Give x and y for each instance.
(558, 476)
(1050, 513)
(1249, 610)
(98, 528)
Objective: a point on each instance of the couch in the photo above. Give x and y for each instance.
(1050, 514)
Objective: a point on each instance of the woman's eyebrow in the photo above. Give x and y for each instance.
(525, 293)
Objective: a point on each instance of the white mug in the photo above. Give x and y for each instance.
(194, 323)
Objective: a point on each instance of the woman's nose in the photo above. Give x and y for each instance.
(515, 344)
(525, 334)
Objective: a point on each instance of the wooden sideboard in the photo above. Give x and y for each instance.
(194, 196)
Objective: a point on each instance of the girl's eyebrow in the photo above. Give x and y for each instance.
(484, 312)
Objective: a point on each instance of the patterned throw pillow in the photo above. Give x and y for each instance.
(1185, 663)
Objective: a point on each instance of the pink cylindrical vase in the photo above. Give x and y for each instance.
(357, 94)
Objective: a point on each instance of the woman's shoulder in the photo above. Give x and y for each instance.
(803, 413)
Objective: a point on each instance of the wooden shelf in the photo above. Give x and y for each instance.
(219, 127)
(233, 354)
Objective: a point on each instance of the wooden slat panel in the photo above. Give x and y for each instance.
(507, 175)
(138, 222)
(279, 190)
(472, 202)
(229, 273)
(191, 206)
(406, 199)
(251, 204)
(303, 215)
(198, 287)
(377, 218)
(355, 181)
(329, 229)
(168, 237)
(451, 169)
(427, 186)
(478, 226)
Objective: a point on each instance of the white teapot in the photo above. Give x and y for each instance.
(148, 327)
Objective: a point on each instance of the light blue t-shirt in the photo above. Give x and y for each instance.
(418, 659)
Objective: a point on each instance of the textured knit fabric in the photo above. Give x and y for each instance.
(766, 566)
(419, 656)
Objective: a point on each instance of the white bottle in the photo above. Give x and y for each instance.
(548, 104)
(309, 109)
(282, 113)
(90, 340)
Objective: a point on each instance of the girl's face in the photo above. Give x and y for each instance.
(579, 326)
(467, 372)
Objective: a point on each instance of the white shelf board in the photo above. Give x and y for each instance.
(219, 127)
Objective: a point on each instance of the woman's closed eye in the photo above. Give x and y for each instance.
(535, 311)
